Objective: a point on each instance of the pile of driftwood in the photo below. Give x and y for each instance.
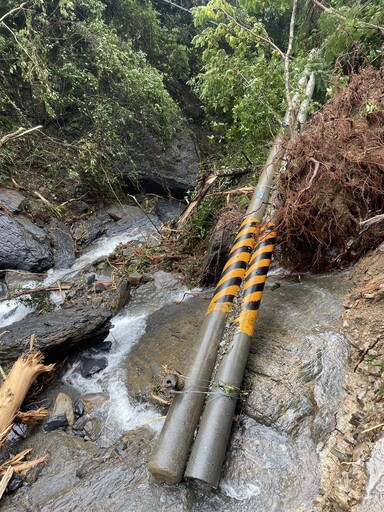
(12, 394)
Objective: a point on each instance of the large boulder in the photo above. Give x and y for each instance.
(57, 333)
(171, 171)
(24, 246)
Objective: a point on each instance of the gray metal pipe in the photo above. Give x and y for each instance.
(170, 454)
(209, 448)
(208, 452)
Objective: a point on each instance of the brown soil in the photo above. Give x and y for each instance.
(335, 180)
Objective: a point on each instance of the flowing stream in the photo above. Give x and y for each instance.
(295, 376)
(128, 327)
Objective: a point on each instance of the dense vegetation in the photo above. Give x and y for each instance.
(95, 74)
(242, 81)
(82, 70)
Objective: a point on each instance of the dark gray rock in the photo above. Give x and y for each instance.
(78, 409)
(90, 279)
(100, 287)
(64, 255)
(92, 365)
(3, 290)
(24, 246)
(15, 483)
(87, 231)
(55, 422)
(167, 171)
(78, 207)
(105, 346)
(132, 218)
(11, 199)
(168, 210)
(58, 333)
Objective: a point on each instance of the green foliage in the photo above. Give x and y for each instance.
(66, 66)
(242, 79)
(349, 30)
(243, 42)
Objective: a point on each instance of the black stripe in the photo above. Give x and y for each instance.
(225, 298)
(234, 266)
(232, 281)
(239, 250)
(267, 255)
(266, 241)
(259, 271)
(259, 287)
(245, 236)
(251, 306)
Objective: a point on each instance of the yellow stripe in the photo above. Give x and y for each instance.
(265, 248)
(246, 321)
(242, 256)
(261, 263)
(223, 307)
(250, 242)
(254, 280)
(252, 297)
(230, 290)
(237, 272)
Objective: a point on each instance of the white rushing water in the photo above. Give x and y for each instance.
(128, 326)
(14, 310)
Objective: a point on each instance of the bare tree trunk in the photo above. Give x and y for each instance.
(16, 385)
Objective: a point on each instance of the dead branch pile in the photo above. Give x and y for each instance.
(335, 181)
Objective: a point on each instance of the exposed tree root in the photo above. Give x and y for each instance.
(334, 181)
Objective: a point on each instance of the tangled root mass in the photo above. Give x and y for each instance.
(335, 180)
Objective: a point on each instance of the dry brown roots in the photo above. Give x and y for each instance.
(335, 180)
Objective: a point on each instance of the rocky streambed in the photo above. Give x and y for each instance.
(298, 443)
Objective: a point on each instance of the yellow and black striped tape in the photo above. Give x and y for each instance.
(234, 270)
(254, 281)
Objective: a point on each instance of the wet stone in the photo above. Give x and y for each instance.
(90, 279)
(105, 346)
(55, 422)
(92, 428)
(78, 207)
(64, 405)
(100, 287)
(3, 290)
(90, 366)
(78, 409)
(94, 401)
(15, 483)
(135, 278)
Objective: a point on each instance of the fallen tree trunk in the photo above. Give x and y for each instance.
(16, 385)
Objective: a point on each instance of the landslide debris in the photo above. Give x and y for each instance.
(334, 180)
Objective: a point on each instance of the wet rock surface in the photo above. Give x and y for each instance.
(64, 255)
(272, 462)
(11, 199)
(175, 327)
(58, 333)
(171, 171)
(24, 246)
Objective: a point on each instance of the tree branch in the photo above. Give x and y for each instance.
(12, 11)
(18, 133)
(250, 31)
(332, 11)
